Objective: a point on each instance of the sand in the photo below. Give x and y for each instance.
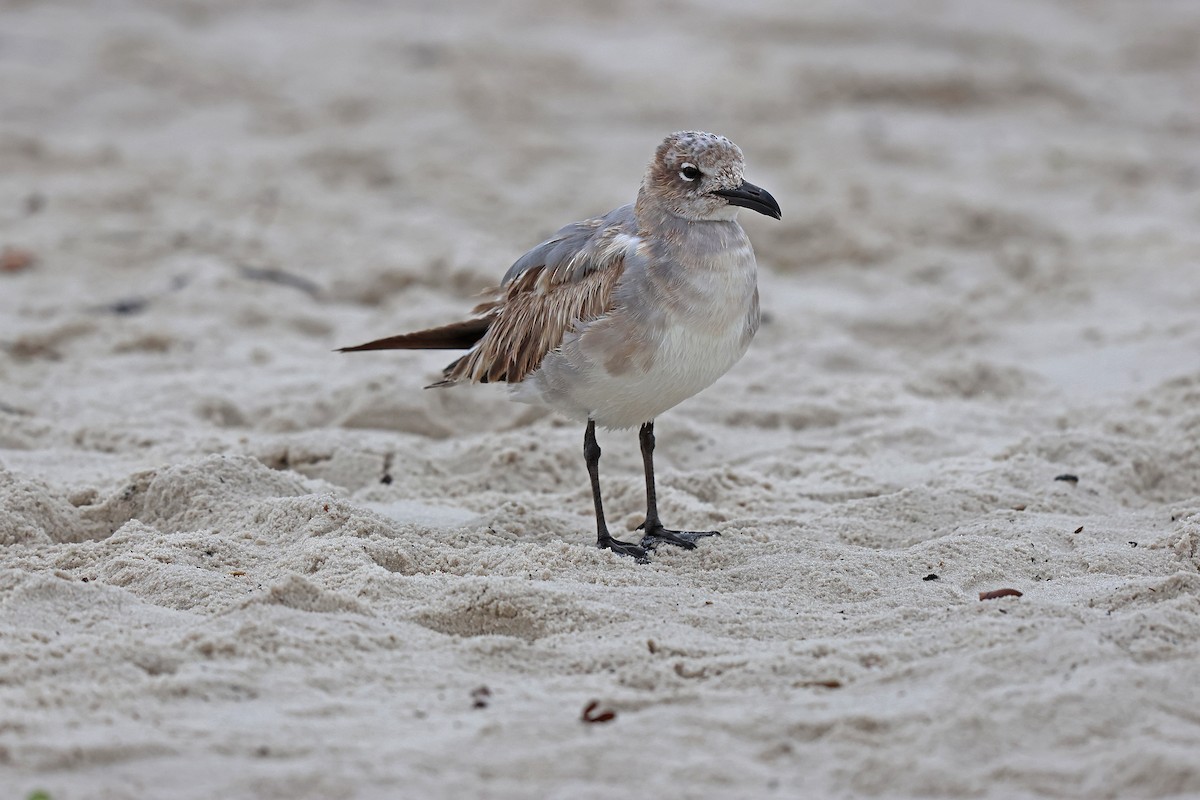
(235, 564)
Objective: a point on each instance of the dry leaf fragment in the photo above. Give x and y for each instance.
(592, 714)
(995, 593)
(15, 259)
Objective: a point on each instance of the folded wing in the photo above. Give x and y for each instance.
(562, 283)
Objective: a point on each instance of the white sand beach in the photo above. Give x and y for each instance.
(236, 564)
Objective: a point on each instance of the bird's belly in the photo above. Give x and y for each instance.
(687, 361)
(625, 392)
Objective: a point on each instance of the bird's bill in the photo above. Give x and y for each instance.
(752, 197)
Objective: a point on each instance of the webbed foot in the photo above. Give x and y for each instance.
(657, 534)
(638, 552)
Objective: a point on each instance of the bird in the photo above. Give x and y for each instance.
(615, 319)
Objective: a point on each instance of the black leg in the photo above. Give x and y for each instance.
(646, 439)
(591, 454)
(656, 534)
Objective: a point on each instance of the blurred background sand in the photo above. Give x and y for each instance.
(233, 563)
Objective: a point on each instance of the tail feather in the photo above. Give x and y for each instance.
(455, 336)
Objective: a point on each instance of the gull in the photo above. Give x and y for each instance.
(615, 319)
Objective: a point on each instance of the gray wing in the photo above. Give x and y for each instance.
(578, 248)
(566, 280)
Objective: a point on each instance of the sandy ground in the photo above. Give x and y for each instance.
(234, 564)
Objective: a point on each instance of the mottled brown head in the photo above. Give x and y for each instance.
(698, 176)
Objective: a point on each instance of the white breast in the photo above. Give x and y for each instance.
(679, 324)
(688, 360)
(621, 374)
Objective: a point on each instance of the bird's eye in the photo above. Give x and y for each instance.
(689, 172)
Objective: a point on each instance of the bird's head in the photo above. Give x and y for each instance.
(697, 176)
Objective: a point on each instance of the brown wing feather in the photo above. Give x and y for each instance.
(529, 317)
(565, 280)
(455, 336)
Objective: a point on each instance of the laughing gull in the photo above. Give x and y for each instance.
(615, 319)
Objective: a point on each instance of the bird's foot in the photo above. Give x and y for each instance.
(638, 552)
(657, 534)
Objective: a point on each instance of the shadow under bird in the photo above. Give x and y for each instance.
(615, 319)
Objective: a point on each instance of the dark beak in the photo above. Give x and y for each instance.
(752, 197)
